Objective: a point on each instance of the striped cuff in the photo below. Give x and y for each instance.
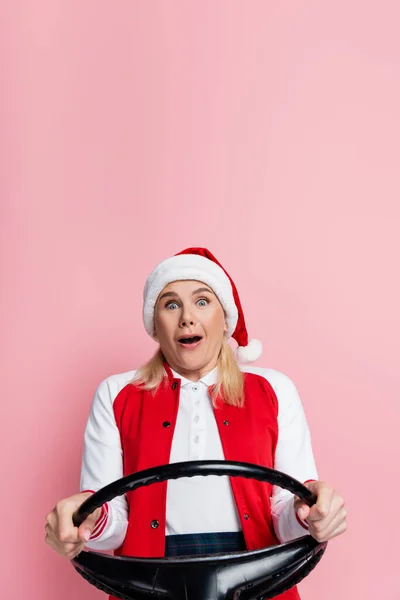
(304, 524)
(101, 521)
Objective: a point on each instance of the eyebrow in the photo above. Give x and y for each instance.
(202, 289)
(175, 295)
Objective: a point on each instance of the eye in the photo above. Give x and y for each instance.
(171, 305)
(202, 302)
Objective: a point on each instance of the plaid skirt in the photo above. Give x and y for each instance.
(194, 544)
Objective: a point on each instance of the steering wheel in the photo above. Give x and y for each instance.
(247, 575)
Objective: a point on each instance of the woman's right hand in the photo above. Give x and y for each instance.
(61, 534)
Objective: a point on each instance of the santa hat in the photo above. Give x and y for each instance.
(199, 264)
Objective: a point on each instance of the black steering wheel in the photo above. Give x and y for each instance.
(249, 575)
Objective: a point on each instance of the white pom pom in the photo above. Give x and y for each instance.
(249, 353)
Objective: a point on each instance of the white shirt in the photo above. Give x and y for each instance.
(197, 504)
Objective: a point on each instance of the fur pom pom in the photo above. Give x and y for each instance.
(249, 353)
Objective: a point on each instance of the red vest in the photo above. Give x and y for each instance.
(248, 434)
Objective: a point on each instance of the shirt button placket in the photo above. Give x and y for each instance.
(196, 419)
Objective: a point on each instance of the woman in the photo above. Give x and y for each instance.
(191, 401)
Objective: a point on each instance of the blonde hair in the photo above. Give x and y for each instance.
(230, 382)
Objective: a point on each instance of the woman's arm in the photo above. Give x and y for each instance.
(102, 464)
(293, 455)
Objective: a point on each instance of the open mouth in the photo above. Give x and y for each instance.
(190, 341)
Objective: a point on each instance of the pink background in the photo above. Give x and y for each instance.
(267, 131)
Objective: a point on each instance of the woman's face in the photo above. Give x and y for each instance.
(189, 325)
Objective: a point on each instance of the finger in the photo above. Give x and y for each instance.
(86, 528)
(339, 530)
(337, 504)
(322, 532)
(336, 508)
(51, 518)
(322, 508)
(70, 548)
(50, 534)
(65, 529)
(67, 534)
(61, 549)
(54, 541)
(303, 511)
(334, 524)
(75, 552)
(84, 534)
(300, 504)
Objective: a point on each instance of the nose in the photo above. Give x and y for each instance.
(186, 322)
(186, 319)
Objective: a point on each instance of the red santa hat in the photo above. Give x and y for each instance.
(199, 264)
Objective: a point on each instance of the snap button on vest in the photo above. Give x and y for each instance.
(246, 516)
(226, 422)
(174, 385)
(166, 424)
(154, 524)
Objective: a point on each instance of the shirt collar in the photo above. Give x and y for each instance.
(208, 379)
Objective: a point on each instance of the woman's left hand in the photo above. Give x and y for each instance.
(327, 518)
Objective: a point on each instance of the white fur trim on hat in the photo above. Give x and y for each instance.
(185, 267)
(249, 353)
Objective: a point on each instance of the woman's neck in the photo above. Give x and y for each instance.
(194, 375)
